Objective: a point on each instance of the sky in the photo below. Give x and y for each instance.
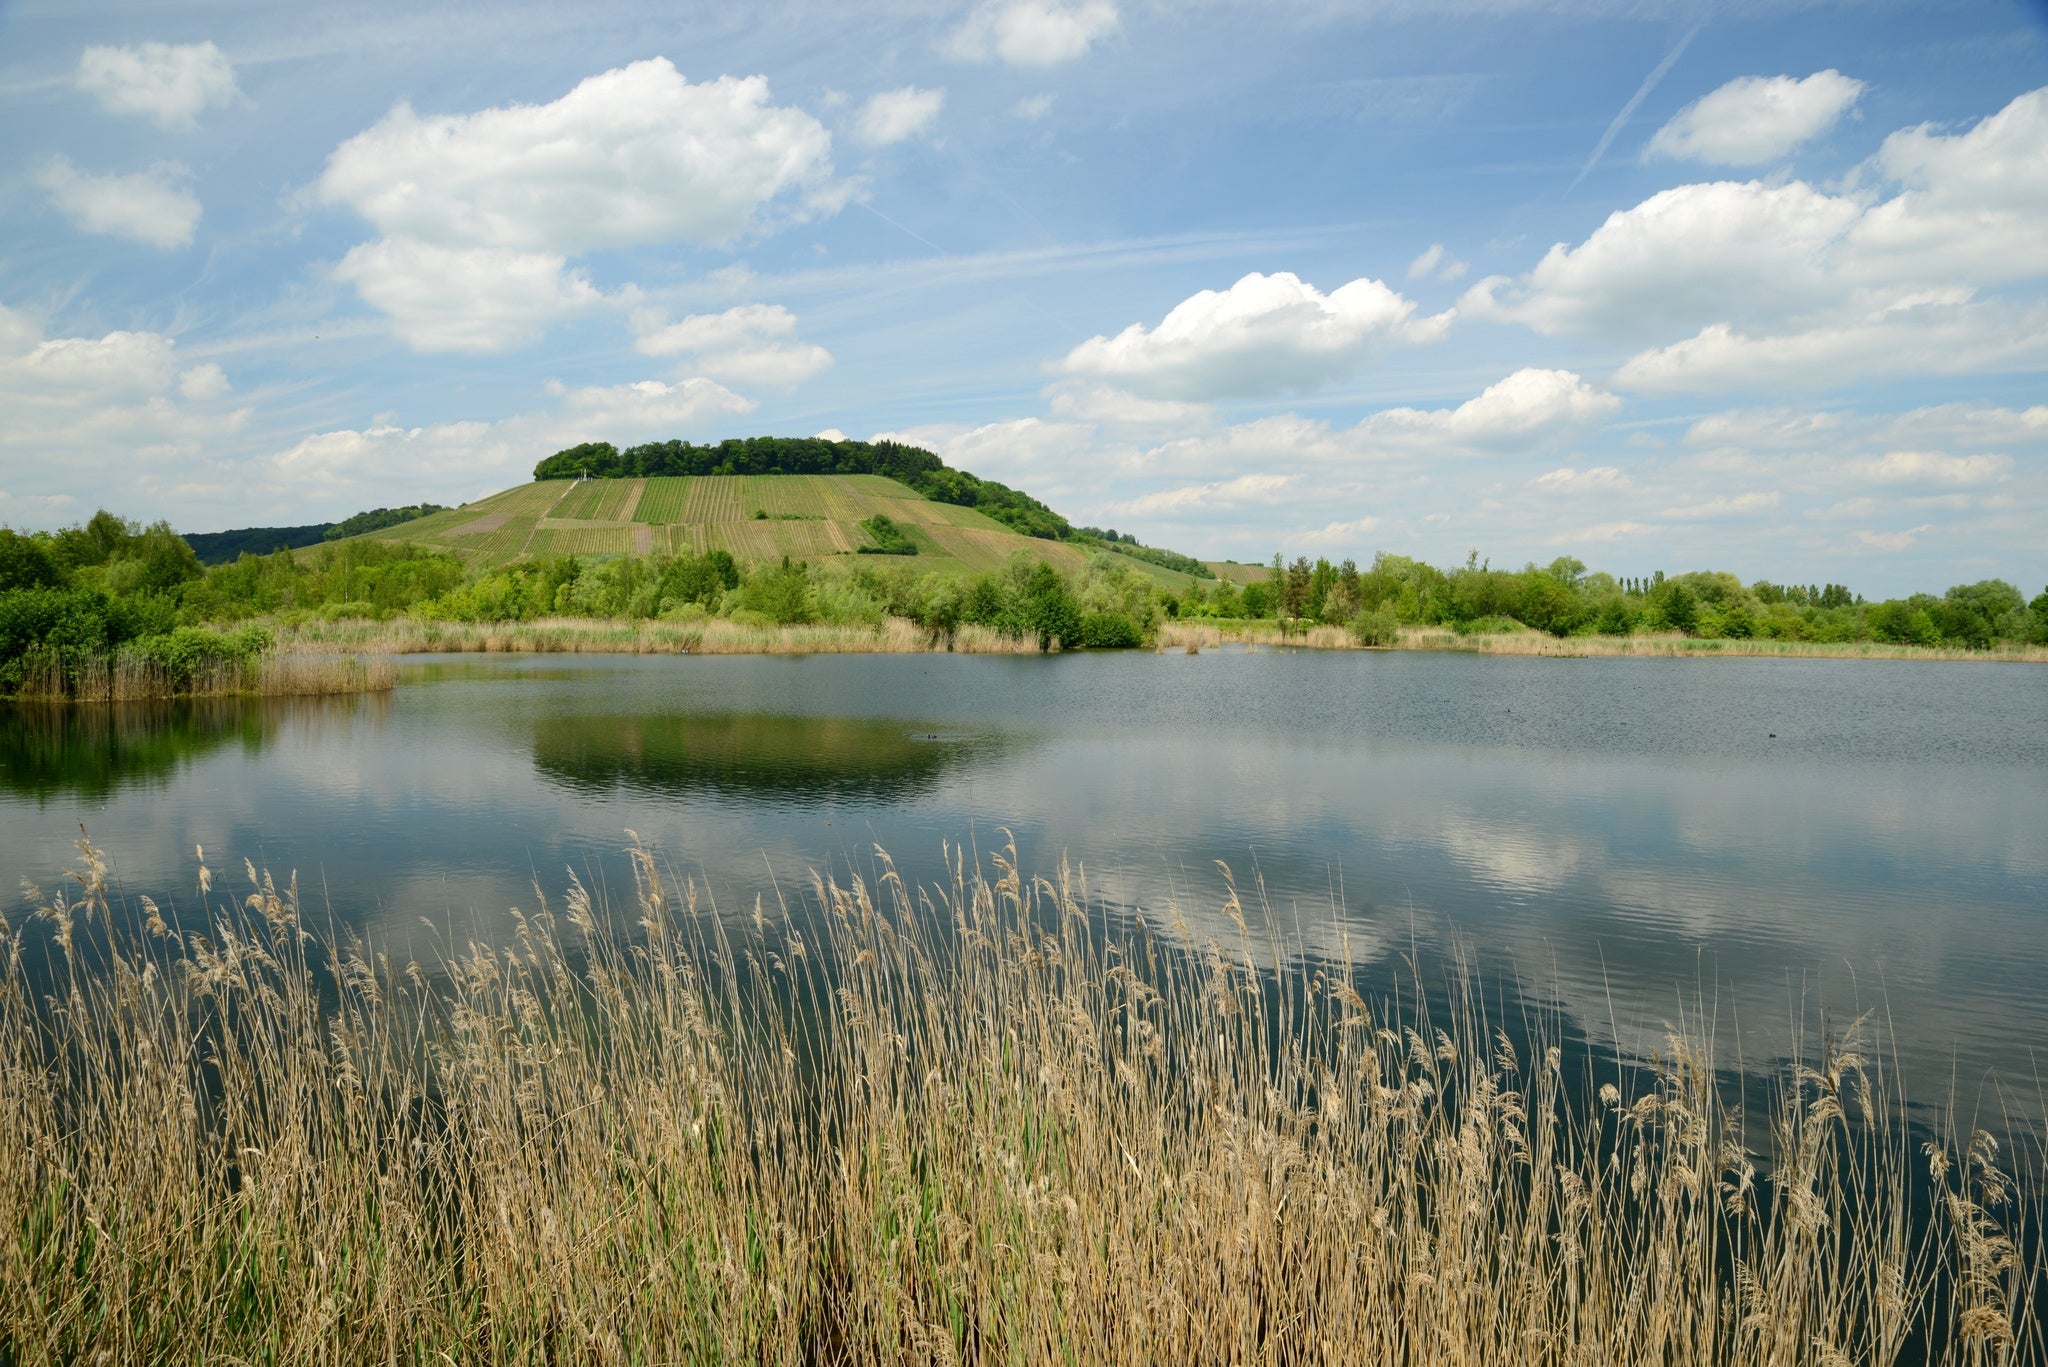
(1743, 286)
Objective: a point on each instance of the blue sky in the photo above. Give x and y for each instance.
(1755, 287)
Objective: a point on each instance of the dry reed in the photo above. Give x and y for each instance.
(1663, 645)
(975, 1122)
(585, 635)
(125, 677)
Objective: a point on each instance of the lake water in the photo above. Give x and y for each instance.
(1621, 840)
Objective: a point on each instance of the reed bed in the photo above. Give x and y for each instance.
(1664, 645)
(125, 677)
(974, 1122)
(583, 635)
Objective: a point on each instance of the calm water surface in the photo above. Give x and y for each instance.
(1621, 838)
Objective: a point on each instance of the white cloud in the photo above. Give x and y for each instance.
(1435, 263)
(1577, 481)
(1606, 533)
(747, 344)
(1945, 333)
(632, 156)
(1684, 256)
(1894, 541)
(1934, 467)
(894, 115)
(1266, 334)
(1338, 533)
(1756, 119)
(104, 416)
(1784, 284)
(1031, 32)
(483, 300)
(171, 84)
(1119, 408)
(1032, 108)
(1216, 495)
(152, 206)
(1526, 403)
(482, 211)
(1726, 505)
(204, 382)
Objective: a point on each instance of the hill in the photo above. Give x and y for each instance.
(763, 498)
(805, 517)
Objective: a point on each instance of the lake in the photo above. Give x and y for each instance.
(1621, 840)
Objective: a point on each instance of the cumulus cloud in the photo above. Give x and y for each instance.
(635, 155)
(747, 344)
(503, 197)
(1266, 334)
(170, 84)
(1894, 541)
(1789, 284)
(1596, 477)
(204, 382)
(1435, 263)
(895, 115)
(1031, 33)
(1120, 408)
(1756, 119)
(1526, 403)
(1934, 467)
(1032, 108)
(83, 412)
(1725, 505)
(1216, 495)
(153, 207)
(482, 300)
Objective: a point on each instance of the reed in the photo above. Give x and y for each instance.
(971, 1122)
(586, 635)
(1663, 645)
(127, 677)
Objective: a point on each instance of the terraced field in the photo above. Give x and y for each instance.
(809, 517)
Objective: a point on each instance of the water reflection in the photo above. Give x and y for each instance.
(1614, 839)
(92, 751)
(749, 756)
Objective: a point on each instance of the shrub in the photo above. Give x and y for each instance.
(1379, 627)
(1110, 631)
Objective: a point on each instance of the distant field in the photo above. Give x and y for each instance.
(809, 517)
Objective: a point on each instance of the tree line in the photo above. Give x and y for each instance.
(1565, 599)
(80, 595)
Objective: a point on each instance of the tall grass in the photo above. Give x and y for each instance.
(1200, 634)
(587, 635)
(124, 676)
(975, 1122)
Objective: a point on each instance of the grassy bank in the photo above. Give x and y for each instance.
(131, 676)
(603, 636)
(974, 1123)
(1664, 645)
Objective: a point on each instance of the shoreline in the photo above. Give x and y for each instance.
(898, 636)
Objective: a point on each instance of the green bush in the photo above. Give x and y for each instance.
(886, 538)
(1376, 627)
(1110, 631)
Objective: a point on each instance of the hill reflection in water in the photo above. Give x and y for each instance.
(757, 756)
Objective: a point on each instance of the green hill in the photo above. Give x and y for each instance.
(763, 498)
(808, 517)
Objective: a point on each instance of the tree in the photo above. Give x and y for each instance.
(25, 563)
(1679, 608)
(1049, 608)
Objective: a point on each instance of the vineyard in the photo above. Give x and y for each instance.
(755, 518)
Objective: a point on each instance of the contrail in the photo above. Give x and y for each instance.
(1628, 110)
